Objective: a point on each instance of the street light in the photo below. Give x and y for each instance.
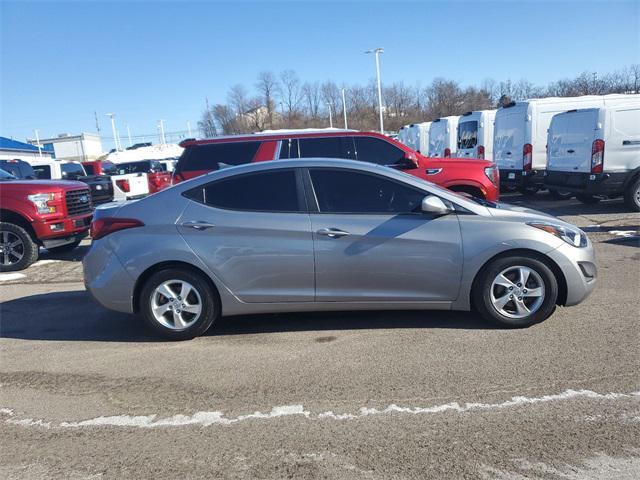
(113, 128)
(330, 116)
(344, 109)
(378, 51)
(161, 127)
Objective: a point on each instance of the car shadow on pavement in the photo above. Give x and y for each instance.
(74, 316)
(75, 255)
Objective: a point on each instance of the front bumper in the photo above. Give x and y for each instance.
(520, 179)
(60, 231)
(610, 184)
(579, 268)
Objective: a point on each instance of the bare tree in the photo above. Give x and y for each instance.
(290, 94)
(267, 86)
(312, 99)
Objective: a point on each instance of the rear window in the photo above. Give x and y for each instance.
(43, 172)
(72, 169)
(215, 156)
(133, 167)
(509, 129)
(468, 134)
(109, 168)
(89, 169)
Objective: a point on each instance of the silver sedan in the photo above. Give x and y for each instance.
(319, 234)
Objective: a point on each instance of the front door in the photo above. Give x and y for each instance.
(373, 243)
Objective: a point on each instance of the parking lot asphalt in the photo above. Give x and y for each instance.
(88, 393)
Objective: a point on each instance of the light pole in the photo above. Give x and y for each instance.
(344, 109)
(38, 142)
(189, 128)
(161, 126)
(129, 135)
(378, 51)
(330, 116)
(113, 128)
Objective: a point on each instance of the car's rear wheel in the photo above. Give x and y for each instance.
(179, 304)
(17, 248)
(588, 199)
(516, 291)
(632, 195)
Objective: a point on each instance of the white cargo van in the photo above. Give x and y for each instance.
(595, 152)
(403, 135)
(443, 136)
(475, 134)
(520, 137)
(418, 136)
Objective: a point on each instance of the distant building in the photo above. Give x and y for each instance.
(83, 147)
(12, 149)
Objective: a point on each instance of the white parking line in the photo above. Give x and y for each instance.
(45, 262)
(206, 419)
(5, 277)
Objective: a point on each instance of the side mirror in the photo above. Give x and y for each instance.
(434, 205)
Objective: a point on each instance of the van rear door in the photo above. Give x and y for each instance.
(467, 137)
(571, 135)
(437, 138)
(509, 137)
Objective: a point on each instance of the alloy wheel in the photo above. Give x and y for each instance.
(11, 248)
(176, 304)
(517, 292)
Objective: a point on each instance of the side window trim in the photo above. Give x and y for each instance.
(315, 204)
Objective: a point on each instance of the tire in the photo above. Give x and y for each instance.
(560, 194)
(65, 248)
(487, 293)
(528, 191)
(191, 324)
(632, 195)
(588, 199)
(18, 250)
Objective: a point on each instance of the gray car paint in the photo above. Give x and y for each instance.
(264, 263)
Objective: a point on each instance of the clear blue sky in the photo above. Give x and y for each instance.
(151, 60)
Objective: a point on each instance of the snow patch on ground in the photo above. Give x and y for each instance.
(6, 277)
(205, 419)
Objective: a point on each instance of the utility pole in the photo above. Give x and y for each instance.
(344, 109)
(129, 135)
(330, 116)
(113, 128)
(38, 143)
(189, 128)
(377, 52)
(161, 126)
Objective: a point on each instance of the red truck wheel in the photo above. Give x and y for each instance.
(17, 248)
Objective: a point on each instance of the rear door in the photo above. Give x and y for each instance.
(509, 137)
(253, 231)
(467, 137)
(372, 243)
(437, 139)
(569, 141)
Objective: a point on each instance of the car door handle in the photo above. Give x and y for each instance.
(571, 150)
(198, 225)
(332, 232)
(631, 142)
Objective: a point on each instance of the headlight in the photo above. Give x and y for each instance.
(41, 201)
(572, 236)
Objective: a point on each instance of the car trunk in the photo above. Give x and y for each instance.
(509, 137)
(571, 136)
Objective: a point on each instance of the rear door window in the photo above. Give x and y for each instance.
(347, 191)
(468, 134)
(328, 147)
(376, 150)
(272, 191)
(215, 156)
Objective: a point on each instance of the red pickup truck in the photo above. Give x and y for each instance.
(52, 214)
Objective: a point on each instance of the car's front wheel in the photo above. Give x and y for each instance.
(17, 248)
(516, 291)
(179, 304)
(632, 195)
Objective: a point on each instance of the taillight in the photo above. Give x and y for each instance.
(527, 151)
(597, 156)
(104, 226)
(481, 151)
(447, 153)
(123, 184)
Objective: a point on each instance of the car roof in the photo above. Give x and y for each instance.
(270, 136)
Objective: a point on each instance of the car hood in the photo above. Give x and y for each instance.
(516, 212)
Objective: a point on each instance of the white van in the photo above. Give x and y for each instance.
(418, 137)
(475, 134)
(595, 152)
(403, 135)
(443, 136)
(520, 137)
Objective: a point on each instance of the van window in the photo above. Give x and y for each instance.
(43, 172)
(215, 156)
(468, 134)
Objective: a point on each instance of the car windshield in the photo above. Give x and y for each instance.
(6, 175)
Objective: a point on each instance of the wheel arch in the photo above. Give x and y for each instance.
(170, 264)
(632, 177)
(9, 216)
(557, 271)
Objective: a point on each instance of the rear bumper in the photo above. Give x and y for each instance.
(54, 233)
(520, 179)
(587, 183)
